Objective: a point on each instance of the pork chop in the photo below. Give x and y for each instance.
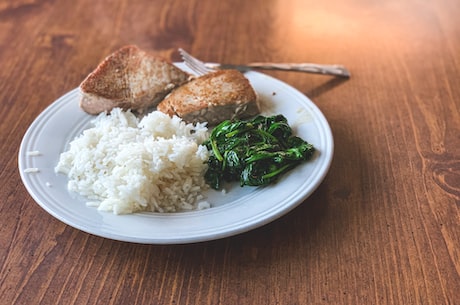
(212, 98)
(129, 78)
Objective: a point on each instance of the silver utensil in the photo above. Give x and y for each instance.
(202, 68)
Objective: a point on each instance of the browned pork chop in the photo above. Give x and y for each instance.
(129, 78)
(212, 98)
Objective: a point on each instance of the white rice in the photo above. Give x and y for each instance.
(33, 153)
(31, 170)
(125, 164)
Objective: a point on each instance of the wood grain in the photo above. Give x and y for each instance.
(383, 228)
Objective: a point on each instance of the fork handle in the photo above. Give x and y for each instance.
(336, 70)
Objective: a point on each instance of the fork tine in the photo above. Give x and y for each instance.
(193, 63)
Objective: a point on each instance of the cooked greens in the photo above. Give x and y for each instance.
(254, 152)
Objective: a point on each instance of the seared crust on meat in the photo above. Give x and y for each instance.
(129, 78)
(212, 98)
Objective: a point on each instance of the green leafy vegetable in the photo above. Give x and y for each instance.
(254, 152)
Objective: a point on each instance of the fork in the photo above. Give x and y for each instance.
(202, 68)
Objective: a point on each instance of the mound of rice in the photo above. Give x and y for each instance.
(124, 164)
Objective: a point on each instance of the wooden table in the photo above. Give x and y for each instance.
(383, 227)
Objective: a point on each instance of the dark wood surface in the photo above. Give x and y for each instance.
(383, 228)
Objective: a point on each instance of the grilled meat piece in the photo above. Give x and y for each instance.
(212, 98)
(129, 78)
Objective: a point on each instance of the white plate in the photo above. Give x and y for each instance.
(237, 211)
